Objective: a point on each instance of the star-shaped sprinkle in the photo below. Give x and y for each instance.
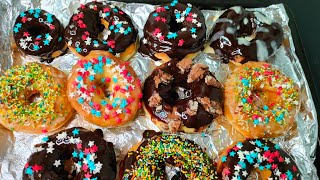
(57, 163)
(62, 135)
(75, 131)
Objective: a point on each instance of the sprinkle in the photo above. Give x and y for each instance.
(75, 131)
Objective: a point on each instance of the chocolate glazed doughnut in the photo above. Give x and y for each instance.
(74, 153)
(93, 20)
(157, 152)
(39, 33)
(242, 36)
(173, 31)
(182, 96)
(258, 155)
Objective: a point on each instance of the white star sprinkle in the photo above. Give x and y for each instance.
(184, 29)
(119, 111)
(127, 94)
(88, 41)
(50, 150)
(49, 38)
(194, 36)
(199, 24)
(194, 15)
(144, 41)
(287, 160)
(237, 167)
(244, 173)
(98, 168)
(91, 143)
(29, 38)
(50, 144)
(62, 135)
(57, 163)
(117, 55)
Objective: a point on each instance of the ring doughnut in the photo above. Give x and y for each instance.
(33, 98)
(39, 33)
(260, 101)
(240, 35)
(173, 31)
(105, 91)
(74, 153)
(182, 96)
(148, 159)
(101, 26)
(262, 156)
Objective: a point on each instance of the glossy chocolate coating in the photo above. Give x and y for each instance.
(85, 25)
(171, 99)
(63, 151)
(152, 43)
(39, 33)
(235, 24)
(262, 153)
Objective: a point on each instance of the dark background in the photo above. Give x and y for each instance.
(305, 26)
(307, 17)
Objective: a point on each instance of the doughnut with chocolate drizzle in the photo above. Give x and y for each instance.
(182, 96)
(173, 30)
(74, 153)
(94, 20)
(39, 33)
(242, 36)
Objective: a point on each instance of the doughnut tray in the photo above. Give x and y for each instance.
(301, 144)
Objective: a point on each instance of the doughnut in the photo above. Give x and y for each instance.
(260, 101)
(149, 159)
(172, 31)
(257, 155)
(182, 96)
(101, 26)
(104, 91)
(74, 153)
(241, 36)
(33, 99)
(39, 33)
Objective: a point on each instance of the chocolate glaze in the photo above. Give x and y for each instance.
(171, 99)
(39, 33)
(130, 159)
(63, 151)
(151, 44)
(236, 23)
(278, 160)
(85, 26)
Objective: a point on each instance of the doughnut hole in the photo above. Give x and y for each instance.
(33, 97)
(262, 97)
(103, 29)
(174, 26)
(37, 30)
(104, 88)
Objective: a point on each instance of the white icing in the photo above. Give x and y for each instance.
(224, 41)
(243, 41)
(230, 30)
(262, 51)
(245, 21)
(237, 9)
(263, 29)
(262, 18)
(224, 20)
